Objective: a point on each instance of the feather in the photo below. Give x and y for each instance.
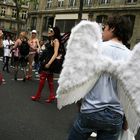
(76, 76)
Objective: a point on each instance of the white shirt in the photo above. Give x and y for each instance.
(6, 46)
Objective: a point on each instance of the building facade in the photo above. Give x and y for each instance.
(64, 14)
(8, 17)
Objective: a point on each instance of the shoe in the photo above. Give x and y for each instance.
(35, 98)
(28, 77)
(50, 99)
(24, 79)
(15, 78)
(8, 71)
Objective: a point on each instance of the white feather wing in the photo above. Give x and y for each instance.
(129, 88)
(77, 77)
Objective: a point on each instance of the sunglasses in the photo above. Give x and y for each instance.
(50, 30)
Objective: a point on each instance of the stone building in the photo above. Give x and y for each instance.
(64, 13)
(8, 22)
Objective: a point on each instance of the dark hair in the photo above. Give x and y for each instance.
(57, 33)
(122, 27)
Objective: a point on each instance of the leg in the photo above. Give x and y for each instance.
(4, 63)
(16, 72)
(43, 76)
(24, 74)
(79, 131)
(16, 63)
(107, 135)
(51, 88)
(31, 59)
(7, 63)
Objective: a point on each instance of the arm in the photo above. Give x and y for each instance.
(56, 47)
(17, 43)
(37, 41)
(1, 43)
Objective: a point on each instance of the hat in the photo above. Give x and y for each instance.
(1, 33)
(34, 31)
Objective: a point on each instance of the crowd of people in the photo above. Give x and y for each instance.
(26, 53)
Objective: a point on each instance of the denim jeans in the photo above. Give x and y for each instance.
(106, 123)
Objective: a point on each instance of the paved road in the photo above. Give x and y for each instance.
(23, 119)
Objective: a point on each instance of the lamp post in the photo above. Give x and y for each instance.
(80, 11)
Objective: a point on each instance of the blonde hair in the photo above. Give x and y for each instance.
(22, 35)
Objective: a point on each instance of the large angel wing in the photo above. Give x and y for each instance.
(129, 88)
(76, 78)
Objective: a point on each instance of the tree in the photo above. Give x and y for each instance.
(18, 5)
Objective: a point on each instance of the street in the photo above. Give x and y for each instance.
(23, 119)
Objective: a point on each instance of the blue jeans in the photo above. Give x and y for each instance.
(106, 123)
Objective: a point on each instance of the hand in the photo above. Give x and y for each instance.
(47, 65)
(59, 56)
(125, 124)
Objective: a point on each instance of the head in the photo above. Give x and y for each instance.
(23, 35)
(8, 37)
(34, 32)
(41, 42)
(54, 33)
(117, 27)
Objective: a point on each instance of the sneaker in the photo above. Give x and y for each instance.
(93, 134)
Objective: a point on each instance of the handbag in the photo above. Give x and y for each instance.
(56, 66)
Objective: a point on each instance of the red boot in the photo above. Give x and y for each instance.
(41, 85)
(51, 88)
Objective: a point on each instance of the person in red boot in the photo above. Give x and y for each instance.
(48, 65)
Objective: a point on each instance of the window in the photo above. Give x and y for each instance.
(33, 23)
(23, 27)
(65, 25)
(132, 20)
(101, 18)
(24, 15)
(36, 6)
(60, 3)
(26, 3)
(131, 1)
(14, 13)
(13, 26)
(47, 22)
(104, 1)
(72, 3)
(4, 1)
(1, 24)
(88, 2)
(49, 4)
(3, 11)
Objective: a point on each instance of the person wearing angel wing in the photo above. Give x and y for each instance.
(93, 74)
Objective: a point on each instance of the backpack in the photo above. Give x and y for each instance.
(24, 48)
